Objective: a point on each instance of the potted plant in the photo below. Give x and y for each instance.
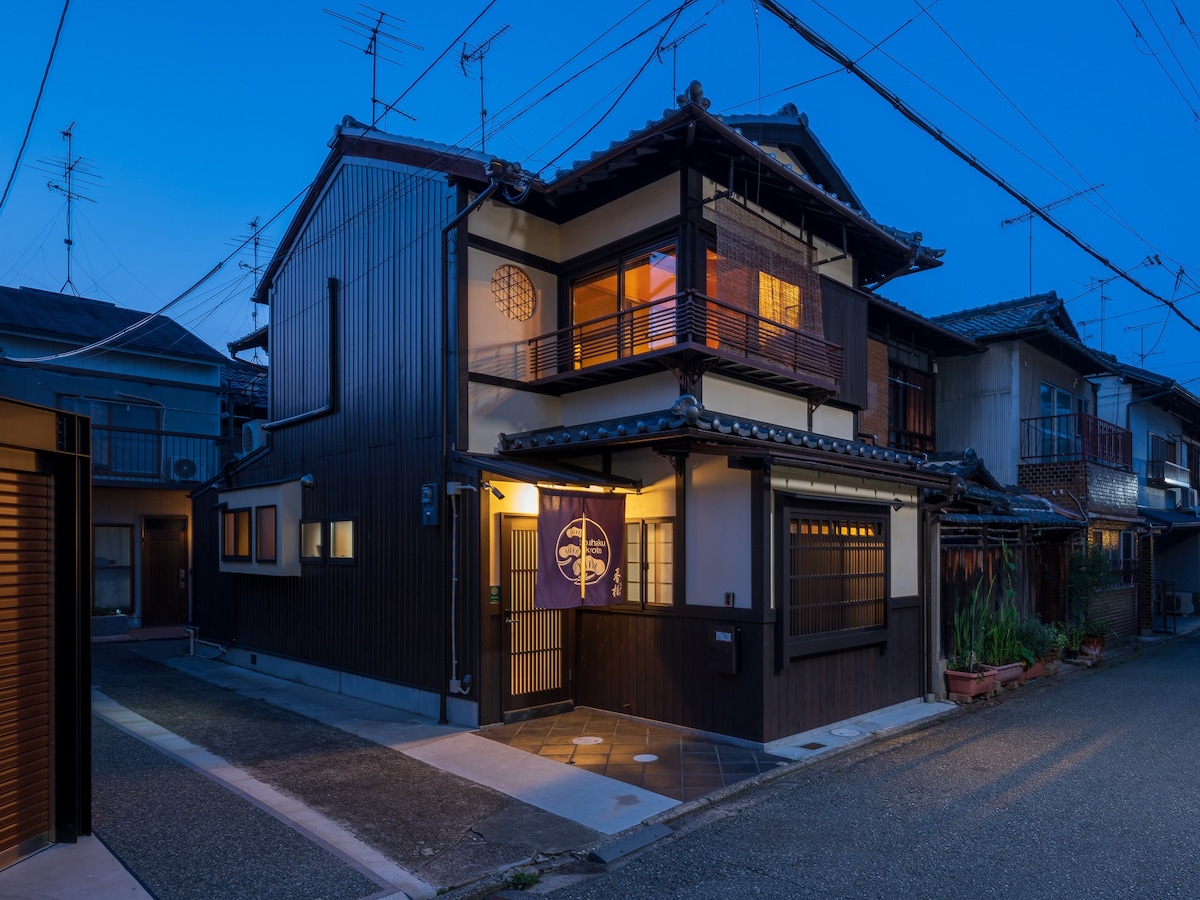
(1037, 642)
(966, 677)
(1002, 648)
(1089, 571)
(1091, 642)
(1072, 637)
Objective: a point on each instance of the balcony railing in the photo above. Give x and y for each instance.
(691, 321)
(135, 456)
(1075, 437)
(1163, 472)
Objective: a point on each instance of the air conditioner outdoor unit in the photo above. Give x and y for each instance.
(185, 468)
(253, 436)
(1190, 498)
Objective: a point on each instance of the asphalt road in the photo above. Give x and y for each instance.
(1086, 787)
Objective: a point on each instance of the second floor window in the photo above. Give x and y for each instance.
(911, 399)
(123, 438)
(625, 308)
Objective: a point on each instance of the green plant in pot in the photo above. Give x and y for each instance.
(965, 673)
(1002, 647)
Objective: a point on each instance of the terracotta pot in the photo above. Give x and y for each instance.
(967, 685)
(1037, 670)
(1008, 674)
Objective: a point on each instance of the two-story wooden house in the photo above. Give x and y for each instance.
(1027, 407)
(596, 440)
(1163, 418)
(151, 390)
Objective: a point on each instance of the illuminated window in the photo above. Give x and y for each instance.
(341, 540)
(266, 538)
(312, 542)
(235, 538)
(650, 562)
(778, 301)
(834, 572)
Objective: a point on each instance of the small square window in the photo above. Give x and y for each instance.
(341, 540)
(312, 542)
(235, 540)
(265, 548)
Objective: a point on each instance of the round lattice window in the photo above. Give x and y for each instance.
(513, 292)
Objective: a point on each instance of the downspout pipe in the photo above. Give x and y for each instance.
(449, 386)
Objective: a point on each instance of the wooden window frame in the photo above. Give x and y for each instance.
(642, 603)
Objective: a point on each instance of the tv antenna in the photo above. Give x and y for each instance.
(1142, 351)
(1033, 213)
(383, 41)
(470, 56)
(72, 170)
(673, 49)
(254, 241)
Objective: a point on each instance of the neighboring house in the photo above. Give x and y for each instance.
(243, 407)
(1164, 420)
(461, 356)
(1027, 407)
(151, 390)
(45, 611)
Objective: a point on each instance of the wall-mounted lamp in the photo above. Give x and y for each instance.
(308, 482)
(454, 488)
(897, 504)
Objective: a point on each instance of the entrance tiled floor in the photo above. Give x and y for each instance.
(667, 762)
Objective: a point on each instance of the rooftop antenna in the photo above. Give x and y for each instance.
(255, 240)
(1031, 214)
(1142, 352)
(470, 56)
(673, 49)
(371, 24)
(73, 169)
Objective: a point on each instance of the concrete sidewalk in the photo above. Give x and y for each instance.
(601, 808)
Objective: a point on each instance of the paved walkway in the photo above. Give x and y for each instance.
(515, 799)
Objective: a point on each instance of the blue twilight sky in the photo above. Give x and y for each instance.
(197, 118)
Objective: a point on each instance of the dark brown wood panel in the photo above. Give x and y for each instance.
(26, 756)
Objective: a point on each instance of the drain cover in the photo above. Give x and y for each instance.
(587, 739)
(645, 757)
(812, 745)
(846, 732)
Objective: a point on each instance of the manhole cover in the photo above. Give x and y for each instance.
(587, 739)
(846, 732)
(645, 757)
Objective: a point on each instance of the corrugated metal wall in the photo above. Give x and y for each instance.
(377, 231)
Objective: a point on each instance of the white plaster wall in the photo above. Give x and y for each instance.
(735, 398)
(287, 498)
(718, 532)
(493, 409)
(496, 344)
(625, 398)
(644, 208)
(514, 227)
(903, 524)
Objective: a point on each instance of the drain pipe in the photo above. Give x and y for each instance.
(193, 640)
(497, 169)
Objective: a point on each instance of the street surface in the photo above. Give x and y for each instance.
(1086, 787)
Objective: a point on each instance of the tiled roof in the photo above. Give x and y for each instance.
(245, 379)
(1011, 316)
(78, 321)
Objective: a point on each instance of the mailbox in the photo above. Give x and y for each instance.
(723, 648)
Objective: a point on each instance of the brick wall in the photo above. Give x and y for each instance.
(874, 417)
(1100, 488)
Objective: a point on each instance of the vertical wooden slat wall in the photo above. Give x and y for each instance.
(382, 615)
(26, 735)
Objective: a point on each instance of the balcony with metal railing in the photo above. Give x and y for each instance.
(683, 327)
(1073, 437)
(1164, 473)
(137, 457)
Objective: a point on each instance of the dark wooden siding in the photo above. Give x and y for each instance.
(845, 313)
(658, 667)
(377, 232)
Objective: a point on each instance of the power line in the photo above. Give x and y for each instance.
(36, 103)
(937, 134)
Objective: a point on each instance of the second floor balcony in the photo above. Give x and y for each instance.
(137, 457)
(1164, 473)
(1074, 437)
(678, 328)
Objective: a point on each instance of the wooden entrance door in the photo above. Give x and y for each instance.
(164, 571)
(533, 642)
(26, 751)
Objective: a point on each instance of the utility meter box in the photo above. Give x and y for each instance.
(723, 649)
